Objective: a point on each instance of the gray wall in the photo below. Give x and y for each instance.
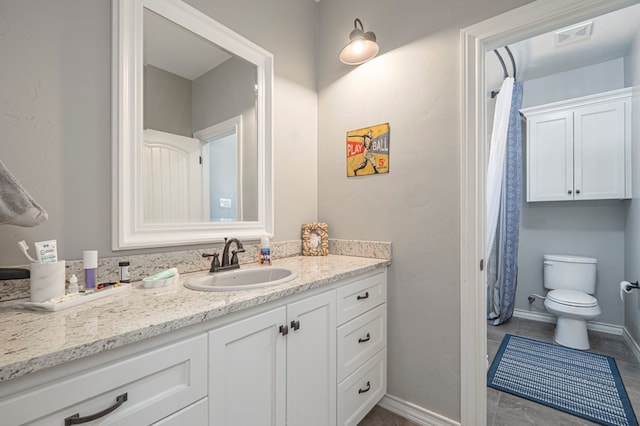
(55, 114)
(414, 85)
(587, 228)
(632, 240)
(223, 93)
(167, 102)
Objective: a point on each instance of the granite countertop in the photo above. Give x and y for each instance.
(34, 340)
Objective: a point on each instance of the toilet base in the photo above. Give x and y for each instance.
(572, 333)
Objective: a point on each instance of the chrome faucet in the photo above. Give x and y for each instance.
(226, 265)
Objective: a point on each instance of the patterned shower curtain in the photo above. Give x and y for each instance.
(502, 270)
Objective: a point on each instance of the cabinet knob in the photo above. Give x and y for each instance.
(295, 325)
(577, 191)
(569, 192)
(284, 330)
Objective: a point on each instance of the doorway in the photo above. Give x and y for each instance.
(525, 22)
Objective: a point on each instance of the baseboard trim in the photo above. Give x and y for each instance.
(593, 325)
(414, 412)
(634, 345)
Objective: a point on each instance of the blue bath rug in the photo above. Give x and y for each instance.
(581, 383)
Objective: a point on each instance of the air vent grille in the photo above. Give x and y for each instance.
(574, 34)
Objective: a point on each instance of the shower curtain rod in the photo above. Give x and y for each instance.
(494, 93)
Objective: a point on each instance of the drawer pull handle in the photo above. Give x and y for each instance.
(366, 339)
(367, 389)
(366, 296)
(295, 325)
(284, 330)
(76, 419)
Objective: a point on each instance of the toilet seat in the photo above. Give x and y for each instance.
(573, 298)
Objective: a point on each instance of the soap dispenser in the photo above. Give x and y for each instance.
(264, 252)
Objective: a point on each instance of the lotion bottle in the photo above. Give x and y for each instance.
(90, 265)
(264, 252)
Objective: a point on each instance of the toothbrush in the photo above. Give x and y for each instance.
(24, 247)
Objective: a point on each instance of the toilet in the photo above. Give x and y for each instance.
(571, 280)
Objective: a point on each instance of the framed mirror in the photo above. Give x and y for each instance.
(192, 128)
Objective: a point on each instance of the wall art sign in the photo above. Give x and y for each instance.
(368, 150)
(315, 239)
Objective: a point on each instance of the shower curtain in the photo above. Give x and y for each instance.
(504, 191)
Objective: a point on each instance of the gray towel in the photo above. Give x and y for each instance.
(16, 205)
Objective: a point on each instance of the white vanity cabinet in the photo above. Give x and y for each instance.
(579, 149)
(315, 358)
(276, 368)
(362, 347)
(142, 389)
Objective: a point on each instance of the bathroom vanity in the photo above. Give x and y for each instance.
(308, 352)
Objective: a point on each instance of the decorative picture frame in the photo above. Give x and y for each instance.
(315, 239)
(368, 150)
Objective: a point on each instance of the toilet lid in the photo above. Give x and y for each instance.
(572, 298)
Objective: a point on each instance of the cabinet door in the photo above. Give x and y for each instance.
(311, 361)
(247, 371)
(599, 151)
(550, 157)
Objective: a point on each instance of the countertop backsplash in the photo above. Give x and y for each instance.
(186, 261)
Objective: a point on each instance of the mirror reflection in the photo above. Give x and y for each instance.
(199, 157)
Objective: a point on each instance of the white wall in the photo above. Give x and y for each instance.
(632, 229)
(587, 228)
(414, 85)
(55, 113)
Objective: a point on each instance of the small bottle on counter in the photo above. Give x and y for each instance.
(264, 252)
(73, 285)
(90, 265)
(124, 272)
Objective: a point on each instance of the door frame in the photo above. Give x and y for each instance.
(524, 22)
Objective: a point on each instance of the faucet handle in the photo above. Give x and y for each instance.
(215, 262)
(234, 257)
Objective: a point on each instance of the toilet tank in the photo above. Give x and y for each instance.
(569, 272)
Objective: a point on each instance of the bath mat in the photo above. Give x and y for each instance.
(581, 383)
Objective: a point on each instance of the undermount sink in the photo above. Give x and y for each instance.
(241, 279)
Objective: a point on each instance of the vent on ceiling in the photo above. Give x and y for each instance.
(574, 34)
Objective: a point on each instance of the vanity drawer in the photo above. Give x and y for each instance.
(360, 339)
(157, 383)
(361, 391)
(195, 414)
(360, 296)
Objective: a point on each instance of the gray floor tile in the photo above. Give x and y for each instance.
(378, 416)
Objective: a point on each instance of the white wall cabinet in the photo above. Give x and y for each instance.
(580, 149)
(318, 360)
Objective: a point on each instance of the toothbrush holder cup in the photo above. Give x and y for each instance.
(47, 281)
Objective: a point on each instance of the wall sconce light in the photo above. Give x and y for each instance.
(362, 46)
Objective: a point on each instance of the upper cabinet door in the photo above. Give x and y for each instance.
(599, 151)
(550, 157)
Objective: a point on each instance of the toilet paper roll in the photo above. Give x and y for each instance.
(625, 287)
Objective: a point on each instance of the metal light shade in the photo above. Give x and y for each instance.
(362, 46)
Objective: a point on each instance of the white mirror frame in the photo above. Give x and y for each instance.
(129, 231)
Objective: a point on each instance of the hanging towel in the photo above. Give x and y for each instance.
(16, 205)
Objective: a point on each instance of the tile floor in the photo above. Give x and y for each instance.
(504, 409)
(381, 417)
